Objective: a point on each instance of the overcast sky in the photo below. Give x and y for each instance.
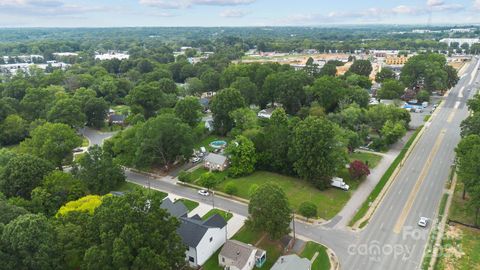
(106, 13)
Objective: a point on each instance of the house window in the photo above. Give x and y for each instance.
(223, 259)
(191, 259)
(211, 239)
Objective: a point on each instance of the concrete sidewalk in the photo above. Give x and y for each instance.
(341, 220)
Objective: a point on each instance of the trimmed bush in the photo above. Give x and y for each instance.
(231, 189)
(308, 209)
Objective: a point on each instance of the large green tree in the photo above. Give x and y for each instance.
(13, 130)
(361, 67)
(67, 111)
(317, 151)
(226, 101)
(189, 110)
(22, 174)
(391, 89)
(134, 232)
(53, 142)
(146, 99)
(30, 243)
(95, 110)
(385, 74)
(247, 88)
(242, 157)
(270, 210)
(98, 171)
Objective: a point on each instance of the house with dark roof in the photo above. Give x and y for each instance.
(236, 255)
(202, 237)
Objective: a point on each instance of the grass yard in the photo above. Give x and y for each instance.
(371, 158)
(85, 142)
(461, 244)
(212, 262)
(129, 186)
(329, 202)
(226, 215)
(121, 109)
(459, 210)
(189, 204)
(321, 262)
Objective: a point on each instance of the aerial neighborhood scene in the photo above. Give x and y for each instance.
(240, 135)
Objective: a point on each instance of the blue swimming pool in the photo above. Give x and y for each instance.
(218, 144)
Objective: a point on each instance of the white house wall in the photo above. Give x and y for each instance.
(205, 248)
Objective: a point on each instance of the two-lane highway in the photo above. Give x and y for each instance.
(393, 240)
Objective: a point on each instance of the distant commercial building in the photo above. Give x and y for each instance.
(112, 55)
(396, 60)
(460, 41)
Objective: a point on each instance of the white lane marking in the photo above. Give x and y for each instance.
(457, 104)
(474, 73)
(400, 191)
(391, 207)
(460, 94)
(381, 226)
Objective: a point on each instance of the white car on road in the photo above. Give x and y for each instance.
(423, 222)
(203, 192)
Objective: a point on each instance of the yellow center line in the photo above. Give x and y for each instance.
(450, 116)
(411, 198)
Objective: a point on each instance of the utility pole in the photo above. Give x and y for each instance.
(213, 199)
(293, 216)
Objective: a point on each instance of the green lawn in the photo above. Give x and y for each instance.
(212, 262)
(463, 240)
(189, 204)
(371, 158)
(459, 210)
(321, 262)
(226, 215)
(129, 186)
(329, 202)
(121, 109)
(85, 142)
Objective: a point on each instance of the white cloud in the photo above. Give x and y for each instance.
(179, 4)
(233, 13)
(435, 3)
(166, 4)
(476, 4)
(402, 9)
(45, 8)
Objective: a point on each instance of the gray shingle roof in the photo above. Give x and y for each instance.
(193, 229)
(176, 209)
(216, 158)
(238, 252)
(291, 262)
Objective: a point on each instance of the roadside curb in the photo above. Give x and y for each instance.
(441, 226)
(332, 257)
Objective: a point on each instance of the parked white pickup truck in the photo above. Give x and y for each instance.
(338, 183)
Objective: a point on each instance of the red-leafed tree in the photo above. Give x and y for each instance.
(358, 169)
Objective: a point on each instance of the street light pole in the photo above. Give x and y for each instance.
(293, 216)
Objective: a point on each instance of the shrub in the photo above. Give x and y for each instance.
(358, 169)
(252, 190)
(231, 189)
(308, 210)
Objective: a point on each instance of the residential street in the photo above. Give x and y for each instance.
(392, 239)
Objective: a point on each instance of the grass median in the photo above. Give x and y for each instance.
(383, 181)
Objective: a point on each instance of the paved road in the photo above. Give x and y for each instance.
(96, 137)
(392, 240)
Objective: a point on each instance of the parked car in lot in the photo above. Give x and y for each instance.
(423, 222)
(203, 192)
